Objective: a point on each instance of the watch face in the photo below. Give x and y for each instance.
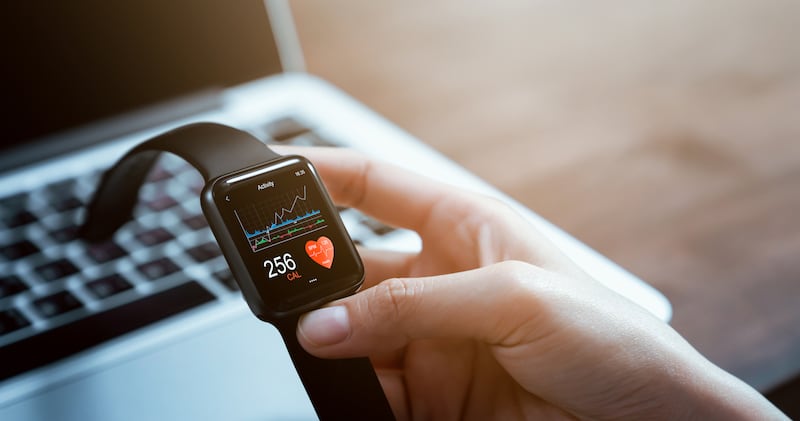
(289, 235)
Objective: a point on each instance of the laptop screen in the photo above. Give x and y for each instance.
(69, 63)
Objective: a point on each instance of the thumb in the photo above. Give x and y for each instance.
(487, 304)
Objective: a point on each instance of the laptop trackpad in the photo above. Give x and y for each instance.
(235, 371)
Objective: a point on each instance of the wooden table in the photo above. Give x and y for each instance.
(666, 135)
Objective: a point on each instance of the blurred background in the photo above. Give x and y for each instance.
(664, 134)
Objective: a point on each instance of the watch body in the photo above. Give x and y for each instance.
(282, 237)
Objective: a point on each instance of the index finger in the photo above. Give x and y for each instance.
(395, 196)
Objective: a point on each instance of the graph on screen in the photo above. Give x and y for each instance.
(279, 219)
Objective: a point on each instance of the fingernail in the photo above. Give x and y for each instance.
(326, 326)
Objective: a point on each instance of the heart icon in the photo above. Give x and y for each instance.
(321, 251)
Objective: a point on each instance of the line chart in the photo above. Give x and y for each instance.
(279, 219)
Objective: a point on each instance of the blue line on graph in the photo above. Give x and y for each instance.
(281, 225)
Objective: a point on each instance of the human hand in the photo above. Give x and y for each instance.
(490, 320)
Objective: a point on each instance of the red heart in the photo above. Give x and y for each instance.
(321, 251)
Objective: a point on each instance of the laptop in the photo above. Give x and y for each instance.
(151, 325)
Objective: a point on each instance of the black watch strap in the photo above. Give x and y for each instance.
(214, 149)
(343, 389)
(338, 389)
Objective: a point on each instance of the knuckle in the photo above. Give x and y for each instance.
(356, 186)
(495, 206)
(524, 301)
(395, 298)
(515, 271)
(517, 277)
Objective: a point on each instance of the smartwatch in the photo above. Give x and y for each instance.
(281, 236)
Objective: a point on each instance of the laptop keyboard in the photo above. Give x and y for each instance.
(60, 295)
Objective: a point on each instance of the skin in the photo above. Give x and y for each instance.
(491, 321)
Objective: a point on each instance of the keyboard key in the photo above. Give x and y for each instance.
(195, 222)
(311, 139)
(204, 252)
(176, 165)
(15, 202)
(63, 188)
(19, 218)
(95, 329)
(197, 186)
(65, 234)
(376, 226)
(285, 128)
(56, 270)
(18, 250)
(108, 286)
(154, 236)
(160, 203)
(158, 268)
(66, 203)
(226, 277)
(159, 173)
(58, 303)
(10, 320)
(10, 285)
(105, 251)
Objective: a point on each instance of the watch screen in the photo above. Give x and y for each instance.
(288, 233)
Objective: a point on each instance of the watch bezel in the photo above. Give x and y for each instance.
(258, 304)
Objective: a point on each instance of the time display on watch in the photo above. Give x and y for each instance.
(288, 233)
